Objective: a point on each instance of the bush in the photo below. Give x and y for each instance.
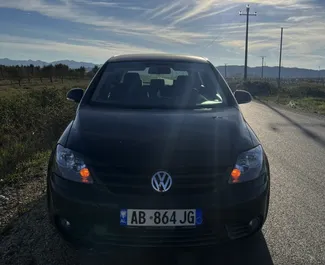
(260, 88)
(256, 88)
(305, 90)
(31, 122)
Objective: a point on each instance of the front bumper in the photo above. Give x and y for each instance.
(93, 216)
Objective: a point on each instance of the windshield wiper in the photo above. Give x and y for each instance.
(207, 106)
(155, 106)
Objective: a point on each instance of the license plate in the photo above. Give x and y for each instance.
(141, 217)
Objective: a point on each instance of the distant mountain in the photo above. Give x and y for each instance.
(70, 63)
(270, 72)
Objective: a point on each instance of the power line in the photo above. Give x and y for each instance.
(209, 45)
(263, 57)
(246, 45)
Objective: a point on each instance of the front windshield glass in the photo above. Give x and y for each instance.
(159, 85)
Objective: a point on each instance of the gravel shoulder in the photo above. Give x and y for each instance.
(16, 200)
(32, 240)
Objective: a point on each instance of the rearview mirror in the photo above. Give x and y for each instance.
(242, 96)
(75, 94)
(159, 70)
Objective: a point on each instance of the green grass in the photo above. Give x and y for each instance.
(305, 96)
(34, 167)
(31, 121)
(308, 104)
(316, 105)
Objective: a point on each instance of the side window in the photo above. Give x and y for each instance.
(108, 81)
(200, 78)
(209, 89)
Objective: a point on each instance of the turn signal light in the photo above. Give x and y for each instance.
(85, 174)
(235, 174)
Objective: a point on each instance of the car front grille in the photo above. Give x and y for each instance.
(155, 238)
(190, 182)
(239, 230)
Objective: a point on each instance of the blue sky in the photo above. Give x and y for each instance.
(94, 30)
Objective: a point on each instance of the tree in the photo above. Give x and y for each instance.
(16, 73)
(48, 71)
(61, 70)
(81, 71)
(2, 71)
(95, 69)
(29, 72)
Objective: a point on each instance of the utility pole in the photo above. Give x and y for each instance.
(246, 45)
(280, 59)
(225, 70)
(263, 57)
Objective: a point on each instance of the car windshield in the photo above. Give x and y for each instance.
(159, 85)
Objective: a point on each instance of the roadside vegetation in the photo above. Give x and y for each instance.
(34, 112)
(305, 95)
(31, 121)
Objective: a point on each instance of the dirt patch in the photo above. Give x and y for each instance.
(32, 240)
(26, 237)
(16, 200)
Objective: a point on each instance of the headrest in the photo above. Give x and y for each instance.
(157, 82)
(132, 78)
(183, 79)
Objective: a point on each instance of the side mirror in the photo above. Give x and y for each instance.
(75, 94)
(242, 96)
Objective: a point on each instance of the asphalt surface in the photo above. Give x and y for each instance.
(295, 145)
(293, 234)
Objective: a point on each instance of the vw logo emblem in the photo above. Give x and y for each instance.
(161, 181)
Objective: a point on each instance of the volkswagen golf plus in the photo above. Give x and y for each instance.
(158, 155)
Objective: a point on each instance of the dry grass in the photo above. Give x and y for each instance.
(32, 118)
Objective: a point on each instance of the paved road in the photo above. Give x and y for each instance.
(293, 234)
(295, 145)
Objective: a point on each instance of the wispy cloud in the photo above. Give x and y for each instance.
(207, 8)
(120, 5)
(202, 27)
(98, 50)
(74, 13)
(197, 7)
(300, 41)
(163, 9)
(301, 18)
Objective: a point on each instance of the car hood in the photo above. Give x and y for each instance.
(159, 139)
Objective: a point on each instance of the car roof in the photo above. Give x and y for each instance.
(157, 57)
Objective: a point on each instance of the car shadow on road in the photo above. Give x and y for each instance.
(251, 251)
(248, 251)
(304, 130)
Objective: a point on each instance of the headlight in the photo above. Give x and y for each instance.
(72, 166)
(248, 166)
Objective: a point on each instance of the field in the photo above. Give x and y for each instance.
(34, 114)
(32, 118)
(305, 95)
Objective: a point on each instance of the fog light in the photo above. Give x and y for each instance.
(254, 223)
(65, 223)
